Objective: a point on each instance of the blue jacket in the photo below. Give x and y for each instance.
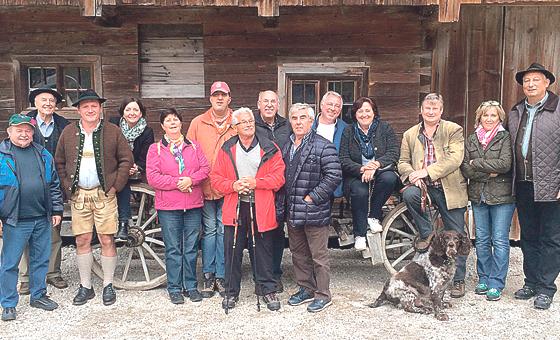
(338, 130)
(317, 174)
(10, 178)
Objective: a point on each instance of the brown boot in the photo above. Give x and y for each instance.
(24, 288)
(422, 244)
(458, 289)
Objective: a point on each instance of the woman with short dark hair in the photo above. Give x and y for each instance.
(369, 152)
(134, 127)
(176, 168)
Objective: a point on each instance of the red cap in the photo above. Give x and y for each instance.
(219, 86)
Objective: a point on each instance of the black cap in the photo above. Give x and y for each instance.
(89, 94)
(38, 91)
(535, 67)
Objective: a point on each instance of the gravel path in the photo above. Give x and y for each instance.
(355, 282)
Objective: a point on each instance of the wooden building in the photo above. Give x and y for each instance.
(168, 52)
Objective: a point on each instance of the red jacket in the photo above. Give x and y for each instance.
(269, 178)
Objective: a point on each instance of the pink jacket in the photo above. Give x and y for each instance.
(162, 172)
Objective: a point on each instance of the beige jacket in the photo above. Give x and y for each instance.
(449, 146)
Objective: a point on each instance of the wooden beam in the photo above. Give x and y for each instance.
(90, 8)
(268, 8)
(449, 10)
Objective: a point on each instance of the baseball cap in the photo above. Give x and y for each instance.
(18, 119)
(219, 86)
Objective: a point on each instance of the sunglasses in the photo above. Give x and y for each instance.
(490, 103)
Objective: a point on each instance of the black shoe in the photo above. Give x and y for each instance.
(229, 302)
(208, 286)
(525, 293)
(9, 314)
(301, 297)
(84, 294)
(44, 303)
(122, 233)
(272, 302)
(318, 305)
(109, 295)
(221, 286)
(176, 298)
(542, 301)
(194, 295)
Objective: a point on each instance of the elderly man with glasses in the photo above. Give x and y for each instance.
(248, 171)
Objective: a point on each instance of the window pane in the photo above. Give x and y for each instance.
(310, 92)
(334, 86)
(77, 78)
(71, 96)
(346, 113)
(348, 91)
(41, 77)
(297, 92)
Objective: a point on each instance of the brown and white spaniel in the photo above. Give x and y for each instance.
(420, 285)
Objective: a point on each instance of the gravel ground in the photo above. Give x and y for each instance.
(354, 283)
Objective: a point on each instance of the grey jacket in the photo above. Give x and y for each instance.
(545, 147)
(495, 159)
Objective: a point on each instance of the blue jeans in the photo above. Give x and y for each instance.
(123, 203)
(453, 219)
(37, 233)
(492, 242)
(180, 233)
(213, 238)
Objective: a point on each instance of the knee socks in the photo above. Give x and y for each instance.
(85, 262)
(108, 263)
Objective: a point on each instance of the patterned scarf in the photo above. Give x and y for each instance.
(131, 133)
(221, 124)
(366, 141)
(176, 148)
(485, 137)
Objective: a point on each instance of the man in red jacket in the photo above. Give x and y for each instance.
(248, 171)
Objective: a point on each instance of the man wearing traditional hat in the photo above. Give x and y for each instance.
(534, 126)
(93, 160)
(47, 131)
(27, 175)
(211, 129)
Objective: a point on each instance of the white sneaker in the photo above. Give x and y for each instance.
(360, 243)
(374, 225)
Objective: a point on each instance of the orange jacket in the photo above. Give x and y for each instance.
(203, 130)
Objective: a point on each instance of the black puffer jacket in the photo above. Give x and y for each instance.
(545, 147)
(317, 174)
(385, 145)
(495, 159)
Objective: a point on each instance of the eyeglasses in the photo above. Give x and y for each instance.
(246, 122)
(490, 103)
(333, 105)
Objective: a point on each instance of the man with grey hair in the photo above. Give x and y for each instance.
(329, 124)
(248, 171)
(276, 128)
(431, 154)
(312, 174)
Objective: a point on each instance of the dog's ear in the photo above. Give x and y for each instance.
(438, 244)
(465, 246)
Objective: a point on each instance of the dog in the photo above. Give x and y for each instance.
(420, 285)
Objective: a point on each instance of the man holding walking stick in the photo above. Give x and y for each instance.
(248, 171)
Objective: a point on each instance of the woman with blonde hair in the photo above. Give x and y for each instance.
(487, 165)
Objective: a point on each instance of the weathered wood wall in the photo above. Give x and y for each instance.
(476, 59)
(237, 49)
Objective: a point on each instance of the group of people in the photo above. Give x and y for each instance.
(217, 186)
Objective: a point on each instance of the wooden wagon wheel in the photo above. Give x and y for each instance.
(141, 262)
(398, 236)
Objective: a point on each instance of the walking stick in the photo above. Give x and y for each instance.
(251, 201)
(235, 226)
